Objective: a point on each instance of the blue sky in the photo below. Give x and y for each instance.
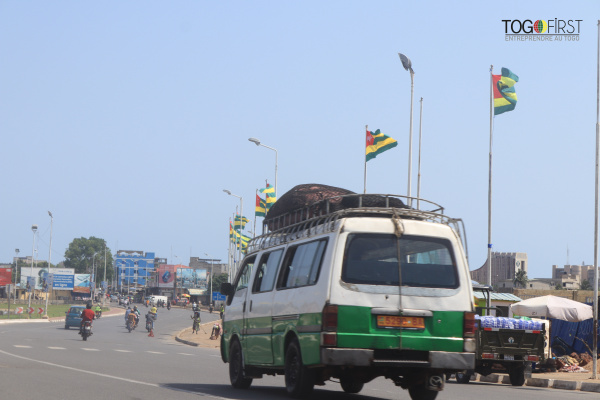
(128, 119)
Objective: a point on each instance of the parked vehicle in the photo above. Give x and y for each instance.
(352, 294)
(86, 330)
(511, 343)
(73, 317)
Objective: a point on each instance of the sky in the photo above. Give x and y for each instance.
(128, 119)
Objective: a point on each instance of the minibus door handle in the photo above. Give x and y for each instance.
(250, 306)
(244, 307)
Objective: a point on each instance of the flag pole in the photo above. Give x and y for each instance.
(365, 184)
(595, 322)
(489, 252)
(419, 167)
(254, 229)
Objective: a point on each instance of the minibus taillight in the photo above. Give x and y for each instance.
(469, 325)
(330, 318)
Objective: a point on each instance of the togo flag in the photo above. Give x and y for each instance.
(377, 143)
(505, 98)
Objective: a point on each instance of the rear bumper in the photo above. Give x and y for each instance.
(366, 358)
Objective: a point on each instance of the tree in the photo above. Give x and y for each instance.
(218, 279)
(521, 278)
(558, 286)
(586, 285)
(84, 253)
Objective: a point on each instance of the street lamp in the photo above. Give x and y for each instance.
(258, 143)
(241, 216)
(407, 64)
(31, 289)
(17, 251)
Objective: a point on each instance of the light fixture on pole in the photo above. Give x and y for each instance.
(34, 230)
(258, 143)
(407, 64)
(241, 218)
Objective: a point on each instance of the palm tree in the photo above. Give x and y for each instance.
(520, 278)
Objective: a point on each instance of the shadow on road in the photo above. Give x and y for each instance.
(262, 392)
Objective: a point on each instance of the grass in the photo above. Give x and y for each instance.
(54, 310)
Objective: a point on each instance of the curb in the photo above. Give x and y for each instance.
(180, 340)
(543, 383)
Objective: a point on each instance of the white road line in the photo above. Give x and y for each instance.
(56, 348)
(185, 354)
(155, 352)
(22, 346)
(123, 351)
(86, 349)
(83, 371)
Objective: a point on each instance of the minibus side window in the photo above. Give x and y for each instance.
(267, 271)
(302, 264)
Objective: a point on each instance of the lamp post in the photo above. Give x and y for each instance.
(104, 279)
(210, 300)
(33, 229)
(241, 216)
(258, 143)
(93, 277)
(17, 251)
(49, 290)
(407, 64)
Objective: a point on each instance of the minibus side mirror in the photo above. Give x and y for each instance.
(226, 289)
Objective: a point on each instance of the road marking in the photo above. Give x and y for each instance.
(86, 349)
(185, 354)
(22, 346)
(83, 371)
(123, 351)
(56, 348)
(155, 352)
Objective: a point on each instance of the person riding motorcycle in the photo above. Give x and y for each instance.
(86, 315)
(136, 312)
(98, 311)
(150, 318)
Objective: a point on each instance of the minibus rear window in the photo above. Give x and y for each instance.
(372, 259)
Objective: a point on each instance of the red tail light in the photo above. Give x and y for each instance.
(469, 325)
(330, 318)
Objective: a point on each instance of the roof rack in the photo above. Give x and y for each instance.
(321, 217)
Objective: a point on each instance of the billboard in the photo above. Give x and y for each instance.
(166, 276)
(189, 278)
(5, 276)
(63, 277)
(82, 283)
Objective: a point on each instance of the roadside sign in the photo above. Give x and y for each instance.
(40, 310)
(217, 296)
(19, 310)
(30, 310)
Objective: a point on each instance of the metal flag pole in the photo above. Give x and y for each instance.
(595, 324)
(489, 252)
(365, 184)
(407, 64)
(419, 168)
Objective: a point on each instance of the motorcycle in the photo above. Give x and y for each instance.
(98, 314)
(149, 325)
(86, 330)
(131, 324)
(168, 306)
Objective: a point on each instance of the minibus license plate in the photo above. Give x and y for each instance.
(392, 321)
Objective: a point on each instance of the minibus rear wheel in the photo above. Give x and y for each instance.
(299, 380)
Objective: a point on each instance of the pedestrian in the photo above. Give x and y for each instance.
(222, 311)
(196, 322)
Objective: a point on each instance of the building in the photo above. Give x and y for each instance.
(504, 267)
(572, 276)
(135, 269)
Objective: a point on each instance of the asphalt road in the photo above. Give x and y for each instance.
(45, 361)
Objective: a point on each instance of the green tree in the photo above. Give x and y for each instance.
(218, 279)
(558, 286)
(586, 285)
(80, 253)
(521, 279)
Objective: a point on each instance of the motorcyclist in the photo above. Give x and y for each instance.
(86, 315)
(168, 305)
(136, 312)
(196, 323)
(98, 311)
(151, 317)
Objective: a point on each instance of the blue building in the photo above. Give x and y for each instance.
(134, 269)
